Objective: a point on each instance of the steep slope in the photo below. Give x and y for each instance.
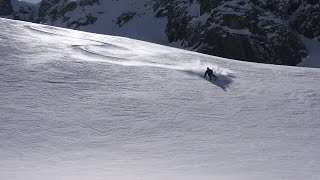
(249, 30)
(133, 19)
(77, 105)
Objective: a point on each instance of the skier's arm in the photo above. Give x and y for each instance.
(205, 74)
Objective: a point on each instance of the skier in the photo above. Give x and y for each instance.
(210, 74)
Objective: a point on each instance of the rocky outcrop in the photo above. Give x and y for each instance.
(306, 20)
(52, 10)
(302, 15)
(232, 29)
(5, 8)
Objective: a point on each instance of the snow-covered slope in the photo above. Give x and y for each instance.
(76, 105)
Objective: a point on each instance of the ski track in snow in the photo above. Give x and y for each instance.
(122, 54)
(77, 105)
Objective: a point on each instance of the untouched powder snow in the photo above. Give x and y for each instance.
(76, 105)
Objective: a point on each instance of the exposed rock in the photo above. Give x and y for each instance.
(88, 19)
(232, 29)
(307, 19)
(5, 8)
(51, 11)
(125, 17)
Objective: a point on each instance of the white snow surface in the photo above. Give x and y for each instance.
(80, 106)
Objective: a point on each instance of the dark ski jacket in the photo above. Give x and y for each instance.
(209, 72)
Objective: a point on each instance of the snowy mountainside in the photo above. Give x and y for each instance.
(250, 30)
(77, 105)
(133, 19)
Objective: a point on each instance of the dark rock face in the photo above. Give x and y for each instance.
(306, 21)
(302, 15)
(124, 18)
(282, 9)
(51, 10)
(232, 29)
(5, 8)
(265, 31)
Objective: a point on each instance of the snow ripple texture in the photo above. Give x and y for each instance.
(77, 105)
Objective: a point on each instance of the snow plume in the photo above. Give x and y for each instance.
(127, 56)
(199, 66)
(128, 52)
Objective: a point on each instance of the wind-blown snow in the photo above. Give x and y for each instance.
(77, 105)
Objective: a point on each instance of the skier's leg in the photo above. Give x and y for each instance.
(215, 77)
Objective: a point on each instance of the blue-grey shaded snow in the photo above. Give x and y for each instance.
(313, 58)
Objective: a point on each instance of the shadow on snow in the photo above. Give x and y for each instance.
(222, 81)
